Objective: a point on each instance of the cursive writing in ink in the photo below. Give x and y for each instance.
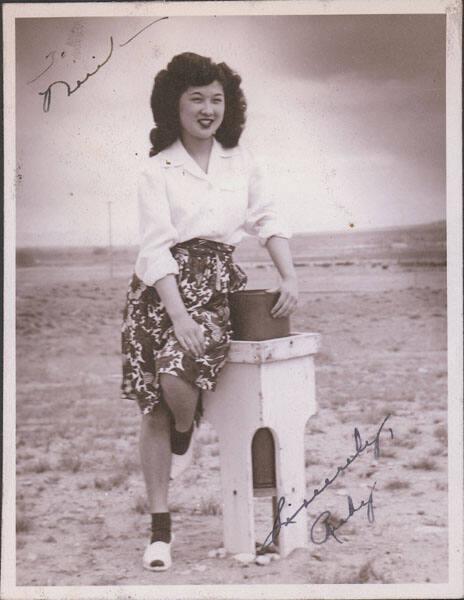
(52, 54)
(360, 447)
(277, 522)
(142, 30)
(47, 94)
(325, 520)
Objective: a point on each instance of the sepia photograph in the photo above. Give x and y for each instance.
(233, 300)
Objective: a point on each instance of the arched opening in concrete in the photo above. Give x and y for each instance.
(264, 482)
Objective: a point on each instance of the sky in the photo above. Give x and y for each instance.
(346, 111)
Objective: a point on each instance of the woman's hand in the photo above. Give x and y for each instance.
(288, 299)
(190, 334)
(279, 251)
(186, 329)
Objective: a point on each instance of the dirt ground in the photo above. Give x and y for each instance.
(81, 515)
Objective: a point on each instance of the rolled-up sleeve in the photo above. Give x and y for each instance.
(157, 233)
(264, 219)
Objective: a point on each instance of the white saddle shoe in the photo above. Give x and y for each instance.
(157, 556)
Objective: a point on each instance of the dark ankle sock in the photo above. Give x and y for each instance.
(180, 440)
(160, 527)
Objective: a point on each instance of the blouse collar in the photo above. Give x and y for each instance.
(176, 155)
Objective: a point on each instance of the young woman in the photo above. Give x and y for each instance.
(199, 193)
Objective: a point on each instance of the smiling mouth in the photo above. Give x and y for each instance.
(205, 122)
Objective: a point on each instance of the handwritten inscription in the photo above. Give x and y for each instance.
(51, 55)
(71, 89)
(47, 94)
(360, 448)
(325, 519)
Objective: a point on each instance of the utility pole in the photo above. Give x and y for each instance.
(110, 237)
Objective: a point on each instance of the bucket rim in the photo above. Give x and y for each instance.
(256, 292)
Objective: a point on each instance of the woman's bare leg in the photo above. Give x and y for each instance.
(155, 457)
(181, 397)
(155, 439)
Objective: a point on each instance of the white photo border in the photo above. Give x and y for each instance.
(453, 10)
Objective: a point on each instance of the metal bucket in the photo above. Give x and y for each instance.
(250, 314)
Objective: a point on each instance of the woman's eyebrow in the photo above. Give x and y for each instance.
(216, 95)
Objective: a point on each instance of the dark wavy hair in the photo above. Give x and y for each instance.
(184, 71)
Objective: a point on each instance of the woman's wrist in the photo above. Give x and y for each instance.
(279, 251)
(178, 314)
(289, 277)
(171, 298)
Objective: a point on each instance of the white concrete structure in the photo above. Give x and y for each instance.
(264, 384)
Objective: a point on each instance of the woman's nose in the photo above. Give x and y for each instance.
(207, 108)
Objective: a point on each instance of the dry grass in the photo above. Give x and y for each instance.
(53, 479)
(405, 442)
(424, 464)
(397, 484)
(374, 415)
(386, 452)
(131, 465)
(140, 505)
(206, 437)
(23, 524)
(190, 478)
(208, 506)
(344, 417)
(366, 574)
(311, 460)
(108, 483)
(441, 433)
(438, 451)
(50, 539)
(197, 452)
(408, 397)
(313, 429)
(20, 543)
(70, 462)
(324, 358)
(176, 507)
(39, 466)
(214, 451)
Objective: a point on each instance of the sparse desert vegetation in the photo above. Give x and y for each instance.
(81, 506)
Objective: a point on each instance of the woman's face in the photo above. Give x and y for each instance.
(201, 110)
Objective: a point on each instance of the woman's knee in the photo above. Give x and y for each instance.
(176, 389)
(158, 420)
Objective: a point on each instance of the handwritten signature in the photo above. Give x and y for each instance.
(325, 519)
(47, 93)
(325, 516)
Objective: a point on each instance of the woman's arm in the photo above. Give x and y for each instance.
(157, 233)
(186, 329)
(279, 251)
(265, 221)
(155, 264)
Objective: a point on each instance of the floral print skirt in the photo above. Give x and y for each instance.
(207, 275)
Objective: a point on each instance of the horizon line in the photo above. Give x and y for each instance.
(344, 231)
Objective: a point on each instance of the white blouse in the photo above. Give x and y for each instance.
(178, 201)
